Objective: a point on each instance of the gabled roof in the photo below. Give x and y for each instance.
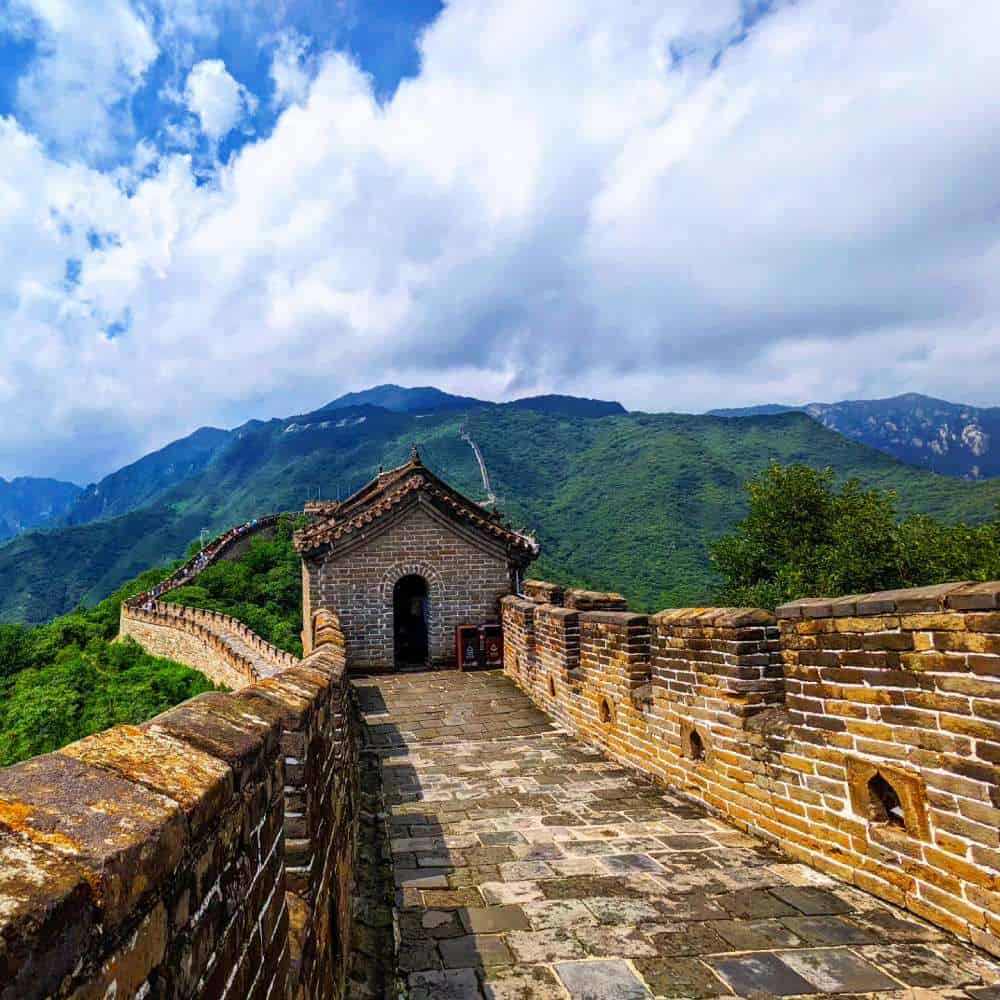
(335, 523)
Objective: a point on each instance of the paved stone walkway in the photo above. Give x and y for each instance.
(529, 866)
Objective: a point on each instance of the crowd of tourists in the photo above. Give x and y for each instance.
(205, 557)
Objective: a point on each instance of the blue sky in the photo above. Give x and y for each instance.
(215, 210)
(380, 35)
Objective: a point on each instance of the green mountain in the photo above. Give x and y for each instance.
(949, 438)
(402, 400)
(568, 406)
(139, 483)
(627, 501)
(27, 503)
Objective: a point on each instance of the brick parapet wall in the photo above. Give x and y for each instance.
(786, 726)
(189, 642)
(219, 646)
(166, 859)
(321, 814)
(905, 684)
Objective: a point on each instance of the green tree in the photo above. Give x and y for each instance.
(805, 536)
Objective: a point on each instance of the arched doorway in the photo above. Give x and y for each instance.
(410, 614)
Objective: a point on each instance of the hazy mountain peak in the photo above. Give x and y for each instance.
(28, 502)
(402, 399)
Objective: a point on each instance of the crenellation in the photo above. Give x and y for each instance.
(785, 726)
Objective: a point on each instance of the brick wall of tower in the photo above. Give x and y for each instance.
(465, 584)
(791, 728)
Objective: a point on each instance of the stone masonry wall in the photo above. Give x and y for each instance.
(465, 583)
(793, 728)
(221, 647)
(207, 853)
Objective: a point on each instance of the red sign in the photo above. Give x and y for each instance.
(479, 646)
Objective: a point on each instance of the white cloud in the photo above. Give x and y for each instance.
(557, 202)
(292, 69)
(93, 55)
(219, 101)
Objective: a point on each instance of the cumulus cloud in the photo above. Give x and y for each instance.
(668, 204)
(93, 55)
(219, 101)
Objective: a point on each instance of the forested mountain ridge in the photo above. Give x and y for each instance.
(628, 501)
(142, 481)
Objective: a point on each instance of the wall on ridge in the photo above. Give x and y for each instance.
(860, 735)
(208, 853)
(221, 647)
(187, 642)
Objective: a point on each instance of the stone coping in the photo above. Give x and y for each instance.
(957, 596)
(543, 592)
(594, 600)
(963, 595)
(713, 617)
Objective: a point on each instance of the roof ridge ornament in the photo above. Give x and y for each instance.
(414, 454)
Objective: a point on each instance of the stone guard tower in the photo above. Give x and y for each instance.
(402, 562)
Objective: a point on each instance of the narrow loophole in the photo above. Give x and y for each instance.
(696, 746)
(883, 803)
(552, 687)
(605, 712)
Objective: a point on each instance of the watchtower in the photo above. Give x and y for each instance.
(402, 562)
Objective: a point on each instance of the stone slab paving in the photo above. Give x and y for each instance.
(529, 866)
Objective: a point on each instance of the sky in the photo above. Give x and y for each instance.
(214, 210)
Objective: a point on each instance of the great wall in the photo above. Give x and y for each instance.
(697, 803)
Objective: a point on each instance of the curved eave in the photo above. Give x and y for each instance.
(516, 548)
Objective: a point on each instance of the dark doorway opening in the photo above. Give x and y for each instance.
(409, 620)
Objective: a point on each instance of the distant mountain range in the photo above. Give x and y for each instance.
(142, 481)
(619, 500)
(27, 503)
(949, 438)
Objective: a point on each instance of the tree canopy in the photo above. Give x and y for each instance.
(804, 536)
(68, 679)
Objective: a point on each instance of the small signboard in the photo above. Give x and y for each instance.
(479, 646)
(492, 640)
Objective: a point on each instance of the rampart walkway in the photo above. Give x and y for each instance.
(529, 866)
